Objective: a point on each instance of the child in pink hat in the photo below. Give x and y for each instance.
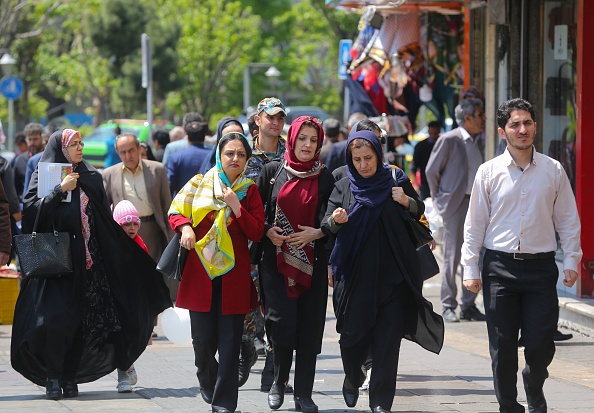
(126, 215)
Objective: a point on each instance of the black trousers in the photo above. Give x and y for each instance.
(384, 343)
(305, 370)
(519, 295)
(212, 332)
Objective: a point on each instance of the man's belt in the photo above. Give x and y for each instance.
(148, 218)
(526, 256)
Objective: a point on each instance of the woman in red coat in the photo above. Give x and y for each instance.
(216, 214)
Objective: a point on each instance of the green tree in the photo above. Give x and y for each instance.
(217, 39)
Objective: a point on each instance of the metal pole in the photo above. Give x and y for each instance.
(347, 105)
(246, 88)
(149, 111)
(10, 136)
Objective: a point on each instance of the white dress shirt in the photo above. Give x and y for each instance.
(519, 211)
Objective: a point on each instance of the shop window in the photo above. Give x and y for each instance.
(559, 71)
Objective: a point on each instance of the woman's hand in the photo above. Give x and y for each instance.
(276, 236)
(188, 238)
(399, 196)
(432, 245)
(340, 216)
(69, 182)
(232, 200)
(304, 237)
(330, 277)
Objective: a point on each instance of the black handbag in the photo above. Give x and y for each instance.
(257, 247)
(418, 233)
(173, 259)
(43, 255)
(427, 263)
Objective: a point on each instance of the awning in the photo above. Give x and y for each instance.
(402, 6)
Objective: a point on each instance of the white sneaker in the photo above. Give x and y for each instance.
(365, 385)
(124, 386)
(132, 376)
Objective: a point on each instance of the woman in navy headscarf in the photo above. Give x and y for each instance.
(377, 290)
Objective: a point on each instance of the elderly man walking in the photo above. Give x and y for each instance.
(450, 172)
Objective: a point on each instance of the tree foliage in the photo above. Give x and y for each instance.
(86, 54)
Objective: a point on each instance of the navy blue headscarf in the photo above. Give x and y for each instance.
(211, 160)
(370, 195)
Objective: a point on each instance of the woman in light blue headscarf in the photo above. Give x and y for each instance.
(216, 214)
(226, 125)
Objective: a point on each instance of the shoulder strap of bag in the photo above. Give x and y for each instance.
(271, 188)
(34, 232)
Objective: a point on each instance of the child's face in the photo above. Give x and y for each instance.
(131, 228)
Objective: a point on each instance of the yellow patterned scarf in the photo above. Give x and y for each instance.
(201, 195)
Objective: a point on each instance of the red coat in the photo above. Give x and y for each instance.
(239, 294)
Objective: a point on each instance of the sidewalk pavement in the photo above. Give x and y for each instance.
(457, 380)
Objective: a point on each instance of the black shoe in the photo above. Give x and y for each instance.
(53, 391)
(536, 402)
(288, 389)
(559, 336)
(305, 404)
(350, 393)
(472, 314)
(220, 410)
(379, 409)
(267, 373)
(69, 389)
(206, 395)
(276, 396)
(450, 316)
(247, 358)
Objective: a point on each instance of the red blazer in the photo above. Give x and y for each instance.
(239, 294)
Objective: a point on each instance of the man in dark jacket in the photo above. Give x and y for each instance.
(5, 237)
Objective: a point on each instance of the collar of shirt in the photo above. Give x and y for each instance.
(509, 161)
(280, 148)
(466, 135)
(138, 168)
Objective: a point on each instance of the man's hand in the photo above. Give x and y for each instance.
(473, 285)
(570, 278)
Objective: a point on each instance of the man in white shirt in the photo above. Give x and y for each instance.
(518, 201)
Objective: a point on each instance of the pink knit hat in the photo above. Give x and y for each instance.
(125, 212)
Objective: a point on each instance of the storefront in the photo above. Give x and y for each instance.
(523, 48)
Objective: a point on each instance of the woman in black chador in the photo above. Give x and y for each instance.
(81, 326)
(377, 290)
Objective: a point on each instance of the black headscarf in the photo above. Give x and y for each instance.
(210, 161)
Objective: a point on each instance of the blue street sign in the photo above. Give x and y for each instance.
(344, 47)
(11, 87)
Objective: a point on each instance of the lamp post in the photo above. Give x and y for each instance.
(7, 62)
(272, 74)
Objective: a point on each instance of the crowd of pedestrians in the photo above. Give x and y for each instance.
(269, 227)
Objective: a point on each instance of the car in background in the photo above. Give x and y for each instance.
(293, 112)
(95, 148)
